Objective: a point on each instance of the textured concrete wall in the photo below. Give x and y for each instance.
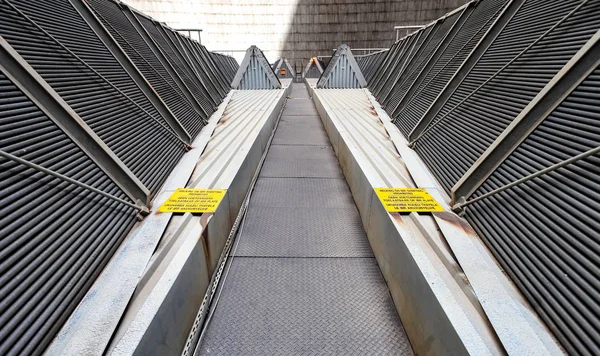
(296, 29)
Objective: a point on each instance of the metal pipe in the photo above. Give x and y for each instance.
(7, 155)
(529, 177)
(407, 28)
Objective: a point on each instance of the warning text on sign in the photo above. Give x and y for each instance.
(188, 200)
(407, 200)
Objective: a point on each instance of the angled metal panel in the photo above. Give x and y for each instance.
(510, 10)
(25, 77)
(573, 73)
(129, 13)
(172, 38)
(82, 7)
(439, 49)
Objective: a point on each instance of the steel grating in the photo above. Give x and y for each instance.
(547, 237)
(55, 238)
(305, 306)
(320, 232)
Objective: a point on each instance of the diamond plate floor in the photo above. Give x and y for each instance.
(309, 161)
(305, 306)
(287, 134)
(321, 232)
(303, 279)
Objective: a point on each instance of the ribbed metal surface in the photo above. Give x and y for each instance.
(280, 64)
(370, 63)
(463, 135)
(148, 64)
(54, 237)
(547, 236)
(194, 64)
(314, 71)
(421, 58)
(227, 65)
(408, 51)
(148, 149)
(341, 75)
(383, 71)
(255, 76)
(459, 47)
(182, 68)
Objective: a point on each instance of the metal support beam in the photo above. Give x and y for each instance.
(441, 48)
(88, 15)
(129, 13)
(490, 36)
(53, 106)
(583, 63)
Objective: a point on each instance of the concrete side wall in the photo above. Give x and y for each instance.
(296, 29)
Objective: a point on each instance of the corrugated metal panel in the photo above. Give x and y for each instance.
(472, 119)
(179, 64)
(194, 64)
(55, 237)
(255, 77)
(148, 148)
(547, 234)
(482, 17)
(407, 53)
(544, 232)
(227, 65)
(314, 69)
(342, 71)
(255, 72)
(148, 64)
(438, 33)
(280, 64)
(370, 63)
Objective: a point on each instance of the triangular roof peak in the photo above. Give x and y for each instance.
(342, 71)
(255, 72)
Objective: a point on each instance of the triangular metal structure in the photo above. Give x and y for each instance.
(314, 69)
(255, 72)
(342, 71)
(283, 69)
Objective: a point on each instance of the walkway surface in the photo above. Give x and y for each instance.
(303, 279)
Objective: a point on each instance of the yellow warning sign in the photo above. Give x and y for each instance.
(189, 200)
(406, 200)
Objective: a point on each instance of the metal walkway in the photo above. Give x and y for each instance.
(303, 279)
